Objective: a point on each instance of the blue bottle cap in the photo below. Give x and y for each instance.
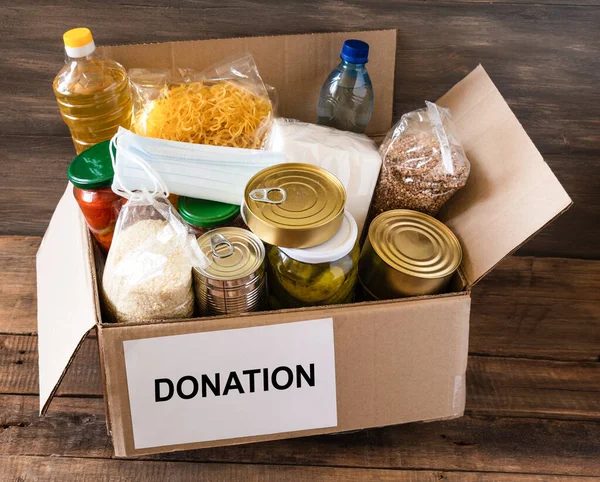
(355, 51)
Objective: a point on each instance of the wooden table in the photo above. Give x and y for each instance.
(533, 401)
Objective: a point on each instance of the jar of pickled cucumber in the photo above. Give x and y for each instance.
(322, 275)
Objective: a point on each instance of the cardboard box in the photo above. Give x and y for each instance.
(227, 380)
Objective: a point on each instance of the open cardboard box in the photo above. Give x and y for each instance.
(370, 364)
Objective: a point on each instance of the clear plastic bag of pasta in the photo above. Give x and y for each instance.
(227, 104)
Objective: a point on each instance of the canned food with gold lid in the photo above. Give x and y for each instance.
(408, 253)
(294, 205)
(234, 280)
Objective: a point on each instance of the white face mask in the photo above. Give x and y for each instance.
(150, 194)
(195, 170)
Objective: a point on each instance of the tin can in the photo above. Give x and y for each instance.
(407, 253)
(234, 281)
(294, 205)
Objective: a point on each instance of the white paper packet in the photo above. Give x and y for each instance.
(351, 157)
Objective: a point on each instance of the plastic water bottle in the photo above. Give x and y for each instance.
(346, 100)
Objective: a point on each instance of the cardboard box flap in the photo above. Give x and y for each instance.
(296, 65)
(511, 193)
(66, 307)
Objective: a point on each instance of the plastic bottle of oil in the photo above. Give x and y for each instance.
(92, 93)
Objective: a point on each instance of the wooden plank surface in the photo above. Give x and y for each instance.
(527, 307)
(536, 414)
(533, 404)
(538, 308)
(503, 386)
(18, 297)
(44, 161)
(76, 428)
(438, 43)
(535, 52)
(87, 470)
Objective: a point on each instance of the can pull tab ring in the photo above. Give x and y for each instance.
(218, 241)
(262, 195)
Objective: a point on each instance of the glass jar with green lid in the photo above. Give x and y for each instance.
(203, 215)
(91, 174)
(325, 274)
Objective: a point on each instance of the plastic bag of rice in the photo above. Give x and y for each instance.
(148, 273)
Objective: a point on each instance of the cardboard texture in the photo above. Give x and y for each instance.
(296, 65)
(65, 293)
(396, 361)
(511, 192)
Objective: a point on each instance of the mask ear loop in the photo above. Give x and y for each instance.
(195, 255)
(159, 187)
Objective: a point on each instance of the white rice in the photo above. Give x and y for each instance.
(147, 275)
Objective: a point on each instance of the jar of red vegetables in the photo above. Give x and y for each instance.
(91, 174)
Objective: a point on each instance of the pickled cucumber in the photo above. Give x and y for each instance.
(295, 283)
(318, 289)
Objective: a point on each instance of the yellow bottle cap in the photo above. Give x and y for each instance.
(78, 37)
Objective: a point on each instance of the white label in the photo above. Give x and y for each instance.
(232, 383)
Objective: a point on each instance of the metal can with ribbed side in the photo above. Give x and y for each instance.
(234, 281)
(294, 205)
(407, 253)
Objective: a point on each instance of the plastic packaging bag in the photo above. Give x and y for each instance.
(225, 105)
(148, 272)
(352, 158)
(424, 164)
(199, 171)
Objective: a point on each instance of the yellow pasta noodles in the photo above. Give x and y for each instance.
(218, 114)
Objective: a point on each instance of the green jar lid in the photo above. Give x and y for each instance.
(206, 214)
(92, 168)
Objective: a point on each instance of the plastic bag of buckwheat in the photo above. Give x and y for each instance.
(424, 164)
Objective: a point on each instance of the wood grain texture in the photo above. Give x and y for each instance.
(37, 179)
(19, 368)
(534, 307)
(75, 428)
(523, 415)
(533, 409)
(18, 284)
(526, 307)
(534, 52)
(524, 388)
(495, 386)
(90, 470)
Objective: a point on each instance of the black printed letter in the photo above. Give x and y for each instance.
(171, 389)
(233, 382)
(301, 373)
(216, 388)
(287, 384)
(251, 373)
(194, 391)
